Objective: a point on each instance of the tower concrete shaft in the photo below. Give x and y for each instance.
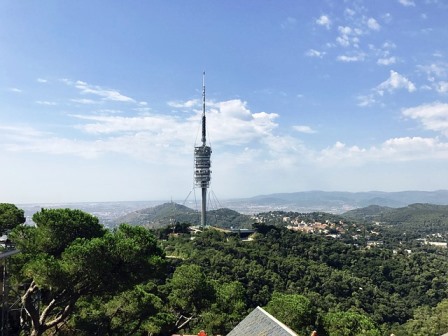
(202, 162)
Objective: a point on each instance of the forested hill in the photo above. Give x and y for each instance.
(313, 282)
(418, 218)
(168, 213)
(96, 281)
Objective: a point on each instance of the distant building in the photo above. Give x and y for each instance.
(438, 244)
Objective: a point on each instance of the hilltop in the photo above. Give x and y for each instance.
(416, 219)
(168, 213)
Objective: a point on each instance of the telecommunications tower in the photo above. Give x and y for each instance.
(202, 161)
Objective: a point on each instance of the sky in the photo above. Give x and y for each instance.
(101, 100)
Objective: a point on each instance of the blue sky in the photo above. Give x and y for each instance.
(101, 100)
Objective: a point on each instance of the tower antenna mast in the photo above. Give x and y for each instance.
(202, 161)
(203, 111)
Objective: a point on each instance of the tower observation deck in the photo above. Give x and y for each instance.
(202, 162)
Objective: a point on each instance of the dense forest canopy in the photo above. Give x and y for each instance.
(89, 280)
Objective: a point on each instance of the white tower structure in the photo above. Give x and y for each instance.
(202, 162)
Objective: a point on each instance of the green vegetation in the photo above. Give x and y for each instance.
(169, 213)
(416, 220)
(91, 281)
(69, 259)
(10, 217)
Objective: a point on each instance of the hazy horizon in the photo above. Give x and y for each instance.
(191, 199)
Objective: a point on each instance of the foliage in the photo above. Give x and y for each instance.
(350, 323)
(176, 228)
(57, 228)
(190, 290)
(165, 214)
(10, 217)
(132, 312)
(417, 220)
(92, 281)
(159, 216)
(292, 309)
(69, 257)
(386, 285)
(426, 321)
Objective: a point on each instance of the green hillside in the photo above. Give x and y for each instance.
(168, 213)
(125, 281)
(417, 219)
(373, 212)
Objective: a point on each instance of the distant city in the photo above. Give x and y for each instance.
(303, 202)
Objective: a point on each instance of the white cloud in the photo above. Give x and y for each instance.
(433, 116)
(45, 102)
(373, 24)
(233, 123)
(84, 101)
(387, 61)
(304, 129)
(407, 3)
(349, 36)
(349, 12)
(352, 58)
(315, 53)
(383, 53)
(324, 20)
(107, 124)
(343, 40)
(106, 94)
(365, 101)
(339, 152)
(187, 104)
(16, 90)
(434, 71)
(154, 137)
(345, 30)
(389, 45)
(392, 150)
(442, 87)
(395, 82)
(42, 80)
(20, 132)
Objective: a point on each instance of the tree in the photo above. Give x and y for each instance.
(190, 294)
(69, 256)
(228, 309)
(349, 323)
(58, 228)
(426, 321)
(133, 312)
(294, 310)
(10, 217)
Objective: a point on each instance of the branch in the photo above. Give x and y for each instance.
(184, 323)
(27, 301)
(63, 314)
(56, 300)
(46, 311)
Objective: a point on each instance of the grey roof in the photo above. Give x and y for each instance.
(261, 323)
